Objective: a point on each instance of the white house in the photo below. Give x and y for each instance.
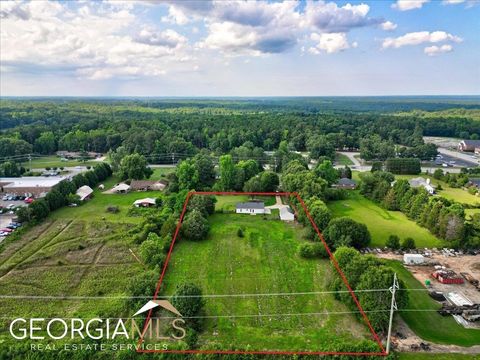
(84, 192)
(421, 182)
(147, 202)
(251, 207)
(413, 259)
(121, 188)
(286, 214)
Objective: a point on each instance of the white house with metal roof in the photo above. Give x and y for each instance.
(250, 207)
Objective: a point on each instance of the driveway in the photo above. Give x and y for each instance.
(351, 156)
(278, 204)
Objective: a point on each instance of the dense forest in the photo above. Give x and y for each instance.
(157, 128)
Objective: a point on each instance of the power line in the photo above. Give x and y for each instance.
(239, 295)
(252, 315)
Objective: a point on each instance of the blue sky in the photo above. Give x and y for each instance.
(239, 48)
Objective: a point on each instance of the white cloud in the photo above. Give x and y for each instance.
(329, 17)
(405, 5)
(330, 43)
(93, 41)
(420, 37)
(437, 50)
(388, 26)
(452, 2)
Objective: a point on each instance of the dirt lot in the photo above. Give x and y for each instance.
(461, 263)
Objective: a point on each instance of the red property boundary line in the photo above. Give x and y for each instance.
(267, 352)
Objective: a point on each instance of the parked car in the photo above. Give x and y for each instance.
(5, 198)
(6, 230)
(11, 206)
(28, 200)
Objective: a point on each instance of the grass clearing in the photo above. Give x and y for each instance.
(54, 161)
(342, 159)
(382, 223)
(430, 325)
(162, 172)
(264, 261)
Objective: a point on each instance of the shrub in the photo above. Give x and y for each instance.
(393, 242)
(408, 243)
(312, 250)
(113, 209)
(240, 233)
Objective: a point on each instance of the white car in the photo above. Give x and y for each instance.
(11, 206)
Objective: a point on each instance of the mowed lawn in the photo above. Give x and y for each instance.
(54, 161)
(382, 223)
(263, 262)
(448, 192)
(428, 324)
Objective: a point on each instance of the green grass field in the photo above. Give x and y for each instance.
(160, 173)
(264, 261)
(382, 223)
(429, 325)
(95, 209)
(341, 159)
(54, 161)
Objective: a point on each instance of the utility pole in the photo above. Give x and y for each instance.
(30, 161)
(173, 159)
(393, 307)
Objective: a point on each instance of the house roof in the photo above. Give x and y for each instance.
(420, 181)
(346, 181)
(150, 201)
(251, 205)
(31, 181)
(475, 182)
(84, 191)
(121, 187)
(471, 142)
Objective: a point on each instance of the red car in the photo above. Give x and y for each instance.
(6, 230)
(28, 200)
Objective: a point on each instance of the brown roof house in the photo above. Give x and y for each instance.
(145, 185)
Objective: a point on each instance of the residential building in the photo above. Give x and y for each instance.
(144, 185)
(147, 202)
(84, 192)
(421, 182)
(121, 188)
(251, 207)
(286, 214)
(345, 183)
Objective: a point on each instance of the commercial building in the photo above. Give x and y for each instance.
(468, 145)
(36, 186)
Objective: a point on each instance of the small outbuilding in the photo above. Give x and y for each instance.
(346, 183)
(147, 202)
(84, 192)
(121, 188)
(251, 207)
(145, 185)
(286, 214)
(413, 259)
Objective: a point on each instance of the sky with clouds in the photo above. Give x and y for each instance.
(239, 48)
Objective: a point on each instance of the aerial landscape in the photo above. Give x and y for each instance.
(240, 179)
